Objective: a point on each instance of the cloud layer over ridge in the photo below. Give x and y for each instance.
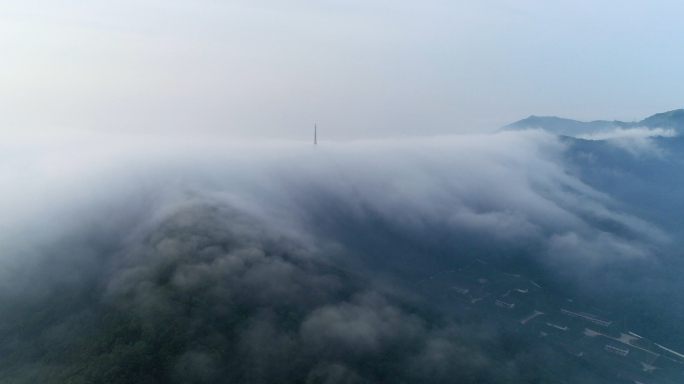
(282, 250)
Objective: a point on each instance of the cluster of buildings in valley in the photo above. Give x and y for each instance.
(514, 296)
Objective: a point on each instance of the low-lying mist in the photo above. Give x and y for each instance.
(133, 259)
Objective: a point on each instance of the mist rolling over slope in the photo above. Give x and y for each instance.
(217, 262)
(166, 215)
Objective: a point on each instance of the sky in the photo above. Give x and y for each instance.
(267, 70)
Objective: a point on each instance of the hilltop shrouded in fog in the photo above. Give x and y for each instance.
(165, 216)
(215, 262)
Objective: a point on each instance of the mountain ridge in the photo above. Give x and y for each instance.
(673, 120)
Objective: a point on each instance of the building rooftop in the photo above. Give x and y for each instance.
(592, 316)
(587, 316)
(619, 346)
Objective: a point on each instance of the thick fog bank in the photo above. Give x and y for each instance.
(388, 200)
(147, 260)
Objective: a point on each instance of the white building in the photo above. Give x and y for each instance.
(588, 316)
(504, 304)
(617, 349)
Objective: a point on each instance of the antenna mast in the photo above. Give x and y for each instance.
(315, 138)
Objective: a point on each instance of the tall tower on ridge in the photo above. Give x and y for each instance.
(315, 139)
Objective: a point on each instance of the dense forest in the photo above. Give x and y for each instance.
(209, 297)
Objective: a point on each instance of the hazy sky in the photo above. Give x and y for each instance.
(359, 69)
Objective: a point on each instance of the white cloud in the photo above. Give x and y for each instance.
(510, 187)
(636, 141)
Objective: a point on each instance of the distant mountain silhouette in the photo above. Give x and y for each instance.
(672, 119)
(667, 120)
